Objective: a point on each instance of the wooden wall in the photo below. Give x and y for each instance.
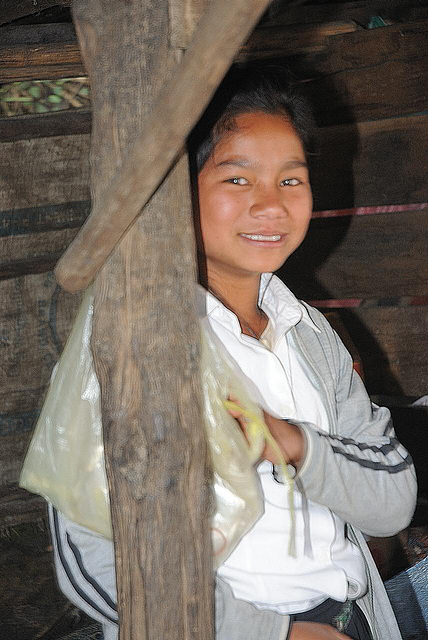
(365, 252)
(44, 197)
(369, 89)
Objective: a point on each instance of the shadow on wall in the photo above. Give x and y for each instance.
(332, 178)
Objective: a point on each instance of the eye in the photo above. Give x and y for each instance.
(290, 182)
(240, 181)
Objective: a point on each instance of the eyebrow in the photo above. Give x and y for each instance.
(243, 163)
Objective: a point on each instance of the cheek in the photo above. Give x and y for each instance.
(217, 210)
(304, 211)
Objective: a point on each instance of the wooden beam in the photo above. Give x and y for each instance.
(184, 15)
(49, 51)
(40, 61)
(364, 48)
(145, 344)
(39, 51)
(376, 256)
(279, 42)
(35, 52)
(33, 239)
(59, 123)
(49, 33)
(204, 65)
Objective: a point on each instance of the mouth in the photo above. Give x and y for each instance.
(259, 237)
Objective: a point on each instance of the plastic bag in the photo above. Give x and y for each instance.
(65, 460)
(235, 482)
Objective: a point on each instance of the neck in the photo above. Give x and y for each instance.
(241, 297)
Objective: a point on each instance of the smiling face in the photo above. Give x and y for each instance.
(255, 200)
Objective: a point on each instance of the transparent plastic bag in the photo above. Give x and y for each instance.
(235, 481)
(65, 460)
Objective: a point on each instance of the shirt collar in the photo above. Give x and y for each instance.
(280, 304)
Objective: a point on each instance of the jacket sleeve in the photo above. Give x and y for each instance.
(360, 470)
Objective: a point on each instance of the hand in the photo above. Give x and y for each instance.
(288, 437)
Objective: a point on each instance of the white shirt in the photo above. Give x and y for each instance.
(327, 564)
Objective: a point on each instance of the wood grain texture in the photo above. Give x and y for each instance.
(184, 15)
(385, 90)
(36, 316)
(60, 123)
(370, 47)
(33, 239)
(12, 452)
(163, 137)
(39, 51)
(18, 506)
(35, 319)
(145, 342)
(44, 171)
(40, 62)
(371, 163)
(33, 253)
(362, 257)
(363, 48)
(392, 344)
(69, 215)
(279, 42)
(48, 52)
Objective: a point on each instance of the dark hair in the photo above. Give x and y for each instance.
(249, 87)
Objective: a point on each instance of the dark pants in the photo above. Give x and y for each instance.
(346, 617)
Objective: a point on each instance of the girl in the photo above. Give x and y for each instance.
(250, 152)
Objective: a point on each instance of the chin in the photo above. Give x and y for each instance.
(266, 267)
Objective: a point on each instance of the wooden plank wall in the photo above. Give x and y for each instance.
(370, 94)
(369, 88)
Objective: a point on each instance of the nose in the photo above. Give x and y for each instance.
(269, 202)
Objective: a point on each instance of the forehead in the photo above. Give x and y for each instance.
(258, 134)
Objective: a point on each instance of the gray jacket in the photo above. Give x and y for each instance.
(359, 470)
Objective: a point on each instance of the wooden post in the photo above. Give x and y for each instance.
(183, 98)
(145, 338)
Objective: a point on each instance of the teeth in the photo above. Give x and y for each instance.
(254, 236)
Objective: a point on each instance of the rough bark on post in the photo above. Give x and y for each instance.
(145, 339)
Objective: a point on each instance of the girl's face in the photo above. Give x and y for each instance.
(255, 200)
